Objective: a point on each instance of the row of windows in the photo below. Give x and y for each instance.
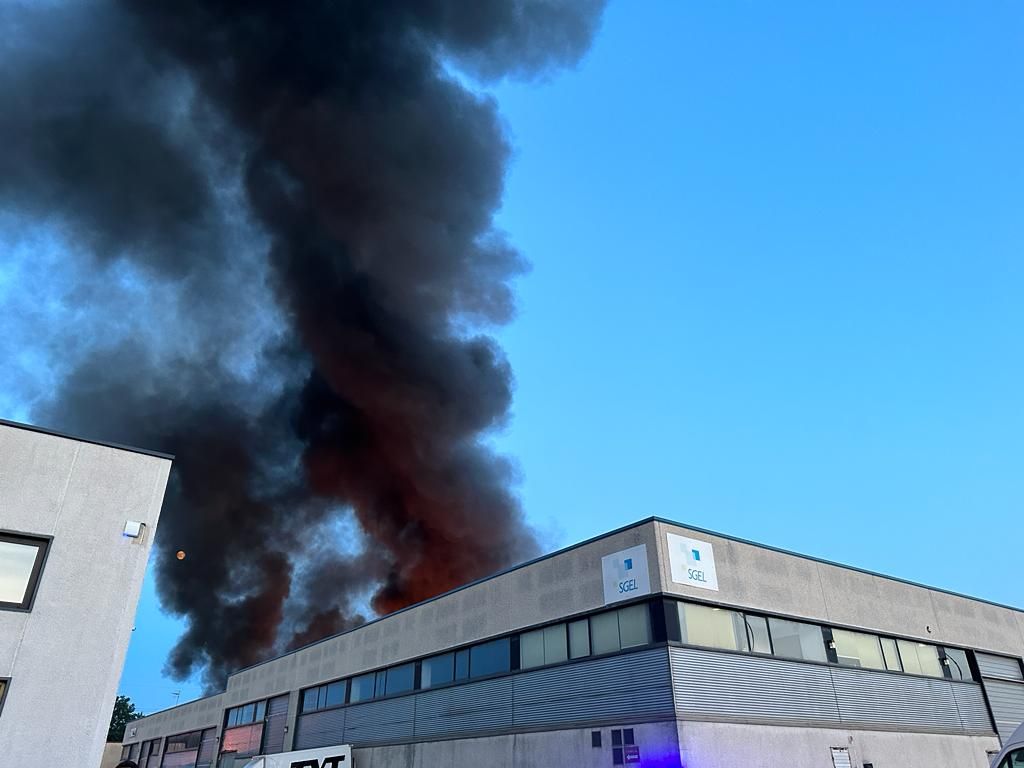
(183, 742)
(248, 713)
(712, 627)
(602, 633)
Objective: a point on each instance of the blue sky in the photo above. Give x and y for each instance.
(776, 288)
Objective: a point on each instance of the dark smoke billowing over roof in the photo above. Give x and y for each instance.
(274, 223)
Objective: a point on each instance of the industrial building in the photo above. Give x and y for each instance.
(77, 520)
(654, 645)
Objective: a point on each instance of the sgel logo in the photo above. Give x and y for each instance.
(692, 562)
(625, 574)
(335, 761)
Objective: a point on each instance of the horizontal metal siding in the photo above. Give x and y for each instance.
(465, 710)
(1007, 700)
(876, 698)
(379, 722)
(970, 701)
(277, 720)
(320, 729)
(999, 666)
(637, 685)
(706, 684)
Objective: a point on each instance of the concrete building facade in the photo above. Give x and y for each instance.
(70, 579)
(654, 645)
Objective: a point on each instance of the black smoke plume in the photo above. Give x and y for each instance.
(278, 219)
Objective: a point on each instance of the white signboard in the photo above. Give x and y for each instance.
(625, 574)
(692, 562)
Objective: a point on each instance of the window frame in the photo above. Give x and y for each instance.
(42, 544)
(6, 683)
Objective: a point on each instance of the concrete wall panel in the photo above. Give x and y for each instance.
(728, 745)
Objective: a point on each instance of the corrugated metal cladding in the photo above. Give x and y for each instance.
(999, 666)
(277, 720)
(207, 748)
(707, 684)
(1007, 701)
(631, 686)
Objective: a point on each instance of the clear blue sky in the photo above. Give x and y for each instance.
(778, 269)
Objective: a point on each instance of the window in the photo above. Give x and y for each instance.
(620, 739)
(323, 696)
(400, 679)
(624, 628)
(335, 694)
(604, 630)
(634, 626)
(437, 670)
(244, 741)
(362, 688)
(957, 665)
(579, 639)
(490, 658)
(796, 640)
(247, 713)
(757, 633)
(595, 738)
(892, 656)
(310, 700)
(462, 664)
(920, 658)
(178, 743)
(543, 646)
(21, 562)
(1013, 760)
(3, 693)
(858, 649)
(721, 628)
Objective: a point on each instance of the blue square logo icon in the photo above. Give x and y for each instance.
(629, 563)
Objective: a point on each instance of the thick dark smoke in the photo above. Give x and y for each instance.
(317, 170)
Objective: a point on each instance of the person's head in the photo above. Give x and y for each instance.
(127, 764)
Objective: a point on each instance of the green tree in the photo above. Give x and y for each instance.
(124, 713)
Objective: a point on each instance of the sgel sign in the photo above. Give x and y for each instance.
(625, 574)
(692, 562)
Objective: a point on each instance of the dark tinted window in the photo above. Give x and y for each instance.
(401, 679)
(462, 664)
(335, 694)
(309, 702)
(490, 658)
(362, 688)
(437, 670)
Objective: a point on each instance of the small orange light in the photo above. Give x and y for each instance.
(180, 554)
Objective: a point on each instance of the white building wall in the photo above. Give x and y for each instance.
(729, 745)
(64, 657)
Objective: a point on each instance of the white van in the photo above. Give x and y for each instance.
(325, 757)
(1012, 755)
